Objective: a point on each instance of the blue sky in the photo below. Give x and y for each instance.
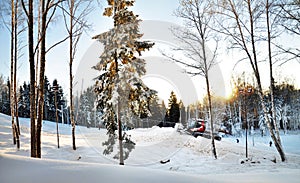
(56, 63)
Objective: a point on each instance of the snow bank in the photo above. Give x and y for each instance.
(26, 170)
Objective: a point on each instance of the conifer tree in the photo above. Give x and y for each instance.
(173, 112)
(120, 69)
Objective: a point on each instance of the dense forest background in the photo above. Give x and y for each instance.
(229, 113)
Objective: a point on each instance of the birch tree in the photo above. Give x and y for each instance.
(241, 22)
(29, 13)
(47, 15)
(12, 19)
(12, 61)
(271, 26)
(47, 10)
(75, 13)
(195, 37)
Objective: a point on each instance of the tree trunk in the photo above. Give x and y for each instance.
(120, 134)
(271, 74)
(276, 143)
(41, 79)
(17, 129)
(71, 75)
(213, 146)
(257, 75)
(276, 139)
(72, 109)
(119, 117)
(12, 90)
(56, 115)
(32, 75)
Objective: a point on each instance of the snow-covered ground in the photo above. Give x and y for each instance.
(190, 158)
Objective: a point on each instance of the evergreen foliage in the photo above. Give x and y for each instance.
(173, 112)
(24, 101)
(5, 99)
(85, 112)
(120, 90)
(120, 68)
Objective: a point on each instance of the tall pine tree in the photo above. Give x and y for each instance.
(121, 69)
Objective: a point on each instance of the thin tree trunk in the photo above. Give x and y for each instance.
(12, 90)
(37, 61)
(32, 75)
(271, 74)
(72, 109)
(15, 66)
(56, 115)
(71, 75)
(214, 152)
(276, 143)
(257, 75)
(17, 128)
(119, 117)
(277, 140)
(41, 79)
(120, 134)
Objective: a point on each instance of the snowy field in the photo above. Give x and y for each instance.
(190, 158)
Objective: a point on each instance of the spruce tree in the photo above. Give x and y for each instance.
(121, 69)
(173, 112)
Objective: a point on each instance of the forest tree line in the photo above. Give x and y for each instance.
(243, 110)
(23, 100)
(227, 112)
(87, 115)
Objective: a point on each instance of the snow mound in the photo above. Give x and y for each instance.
(49, 171)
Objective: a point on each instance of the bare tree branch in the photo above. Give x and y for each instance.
(197, 16)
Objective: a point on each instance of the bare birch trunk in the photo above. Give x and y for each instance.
(41, 79)
(56, 116)
(213, 146)
(71, 74)
(276, 139)
(12, 90)
(257, 75)
(17, 126)
(29, 14)
(271, 74)
(37, 55)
